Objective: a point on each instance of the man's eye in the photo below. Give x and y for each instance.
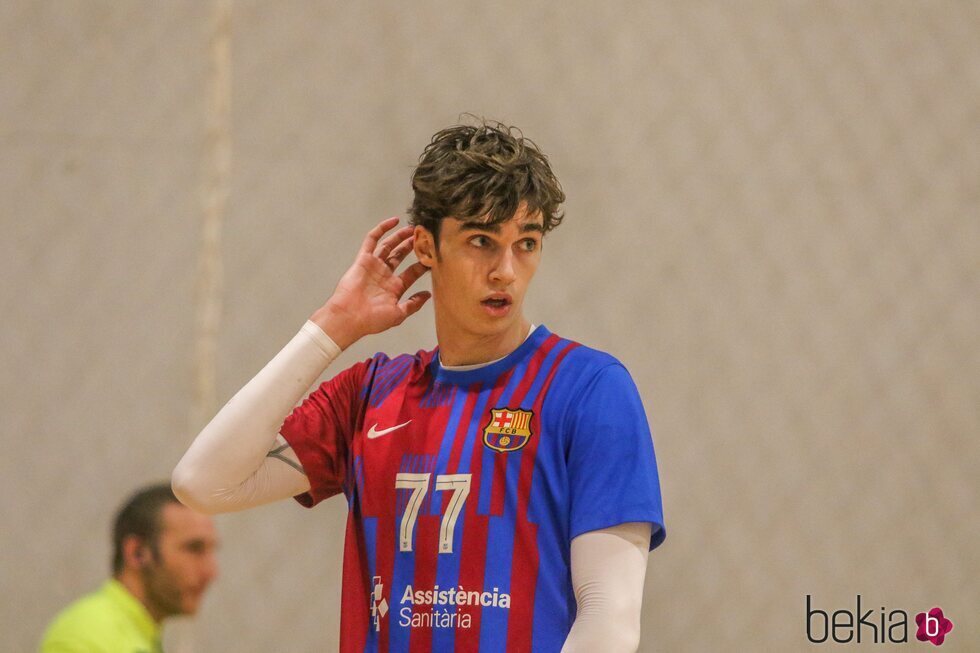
(479, 241)
(530, 245)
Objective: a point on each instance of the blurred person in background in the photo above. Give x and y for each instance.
(502, 488)
(164, 558)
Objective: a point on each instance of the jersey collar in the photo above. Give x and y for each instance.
(493, 370)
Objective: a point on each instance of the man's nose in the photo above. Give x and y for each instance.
(503, 269)
(210, 568)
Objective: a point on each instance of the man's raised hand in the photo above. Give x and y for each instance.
(368, 298)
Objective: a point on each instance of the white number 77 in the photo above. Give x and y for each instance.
(419, 485)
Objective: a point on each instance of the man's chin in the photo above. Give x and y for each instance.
(494, 321)
(492, 328)
(190, 605)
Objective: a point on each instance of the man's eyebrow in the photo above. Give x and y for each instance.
(474, 225)
(495, 228)
(198, 543)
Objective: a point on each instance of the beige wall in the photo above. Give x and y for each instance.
(772, 219)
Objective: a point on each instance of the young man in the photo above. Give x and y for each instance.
(163, 561)
(502, 488)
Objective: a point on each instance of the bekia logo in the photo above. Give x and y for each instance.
(933, 626)
(844, 626)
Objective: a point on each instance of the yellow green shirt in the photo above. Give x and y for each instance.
(109, 620)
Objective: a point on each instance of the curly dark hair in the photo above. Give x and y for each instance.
(483, 173)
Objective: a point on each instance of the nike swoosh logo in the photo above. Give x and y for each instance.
(373, 432)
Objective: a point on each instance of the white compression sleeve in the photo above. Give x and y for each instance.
(239, 460)
(608, 569)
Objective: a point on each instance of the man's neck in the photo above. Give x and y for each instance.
(459, 347)
(134, 584)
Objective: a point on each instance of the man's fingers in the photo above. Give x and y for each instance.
(411, 274)
(413, 303)
(391, 243)
(399, 253)
(373, 236)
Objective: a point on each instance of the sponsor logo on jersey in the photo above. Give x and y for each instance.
(439, 608)
(451, 607)
(375, 432)
(379, 606)
(508, 429)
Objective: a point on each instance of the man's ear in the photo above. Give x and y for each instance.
(135, 552)
(425, 246)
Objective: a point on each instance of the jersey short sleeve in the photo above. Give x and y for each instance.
(320, 431)
(611, 462)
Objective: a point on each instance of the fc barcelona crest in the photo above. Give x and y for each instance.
(508, 430)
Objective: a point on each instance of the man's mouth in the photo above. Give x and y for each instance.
(497, 301)
(498, 304)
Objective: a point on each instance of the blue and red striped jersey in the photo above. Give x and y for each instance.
(465, 489)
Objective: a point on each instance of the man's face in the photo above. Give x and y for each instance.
(482, 272)
(184, 563)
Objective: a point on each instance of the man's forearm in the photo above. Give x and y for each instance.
(608, 570)
(226, 467)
